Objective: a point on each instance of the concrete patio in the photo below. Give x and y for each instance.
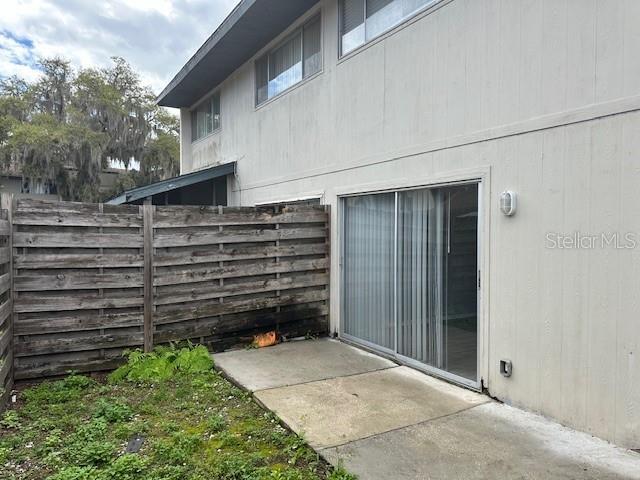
(384, 421)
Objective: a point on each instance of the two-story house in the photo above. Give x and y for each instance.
(482, 162)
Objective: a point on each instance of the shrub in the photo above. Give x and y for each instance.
(163, 363)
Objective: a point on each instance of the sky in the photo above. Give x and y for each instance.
(156, 37)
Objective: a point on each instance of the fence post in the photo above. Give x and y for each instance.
(6, 381)
(147, 216)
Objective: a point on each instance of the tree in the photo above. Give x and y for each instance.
(67, 126)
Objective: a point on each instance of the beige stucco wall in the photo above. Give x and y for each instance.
(538, 96)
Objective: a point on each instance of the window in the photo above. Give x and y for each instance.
(364, 20)
(205, 118)
(297, 58)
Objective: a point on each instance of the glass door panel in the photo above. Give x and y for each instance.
(436, 278)
(368, 282)
(460, 316)
(419, 264)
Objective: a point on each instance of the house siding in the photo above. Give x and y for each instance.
(537, 96)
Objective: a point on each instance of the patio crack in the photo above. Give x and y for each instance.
(423, 422)
(382, 369)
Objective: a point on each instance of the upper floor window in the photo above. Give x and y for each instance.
(296, 58)
(364, 20)
(205, 118)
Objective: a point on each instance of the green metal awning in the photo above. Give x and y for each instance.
(182, 181)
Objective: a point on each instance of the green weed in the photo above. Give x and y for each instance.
(10, 419)
(113, 412)
(62, 391)
(163, 363)
(75, 473)
(339, 473)
(216, 424)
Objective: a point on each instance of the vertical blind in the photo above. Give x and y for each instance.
(364, 20)
(352, 14)
(296, 58)
(312, 48)
(285, 65)
(368, 266)
(420, 240)
(205, 118)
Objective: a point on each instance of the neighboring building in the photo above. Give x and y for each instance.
(13, 182)
(410, 118)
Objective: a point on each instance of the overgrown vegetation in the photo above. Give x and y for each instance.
(195, 425)
(65, 128)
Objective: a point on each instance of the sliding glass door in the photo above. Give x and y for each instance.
(410, 275)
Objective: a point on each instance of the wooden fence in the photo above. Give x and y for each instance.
(6, 356)
(92, 280)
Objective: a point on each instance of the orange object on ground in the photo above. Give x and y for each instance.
(265, 339)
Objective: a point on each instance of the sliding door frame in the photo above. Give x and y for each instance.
(476, 176)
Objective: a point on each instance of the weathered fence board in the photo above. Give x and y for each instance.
(93, 280)
(77, 219)
(204, 274)
(222, 237)
(58, 304)
(39, 262)
(163, 259)
(77, 240)
(77, 323)
(181, 295)
(5, 228)
(210, 217)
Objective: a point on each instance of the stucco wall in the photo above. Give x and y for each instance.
(538, 96)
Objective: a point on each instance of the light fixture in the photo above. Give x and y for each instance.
(508, 203)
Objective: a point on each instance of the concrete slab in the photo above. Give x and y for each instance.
(297, 362)
(486, 442)
(336, 411)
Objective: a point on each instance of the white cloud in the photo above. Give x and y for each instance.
(155, 36)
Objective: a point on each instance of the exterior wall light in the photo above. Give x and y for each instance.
(508, 201)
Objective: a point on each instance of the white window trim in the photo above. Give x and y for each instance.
(281, 40)
(313, 196)
(418, 15)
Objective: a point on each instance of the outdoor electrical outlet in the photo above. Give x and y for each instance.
(506, 368)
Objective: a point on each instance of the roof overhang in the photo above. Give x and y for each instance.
(248, 28)
(139, 193)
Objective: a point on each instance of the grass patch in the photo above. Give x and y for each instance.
(196, 426)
